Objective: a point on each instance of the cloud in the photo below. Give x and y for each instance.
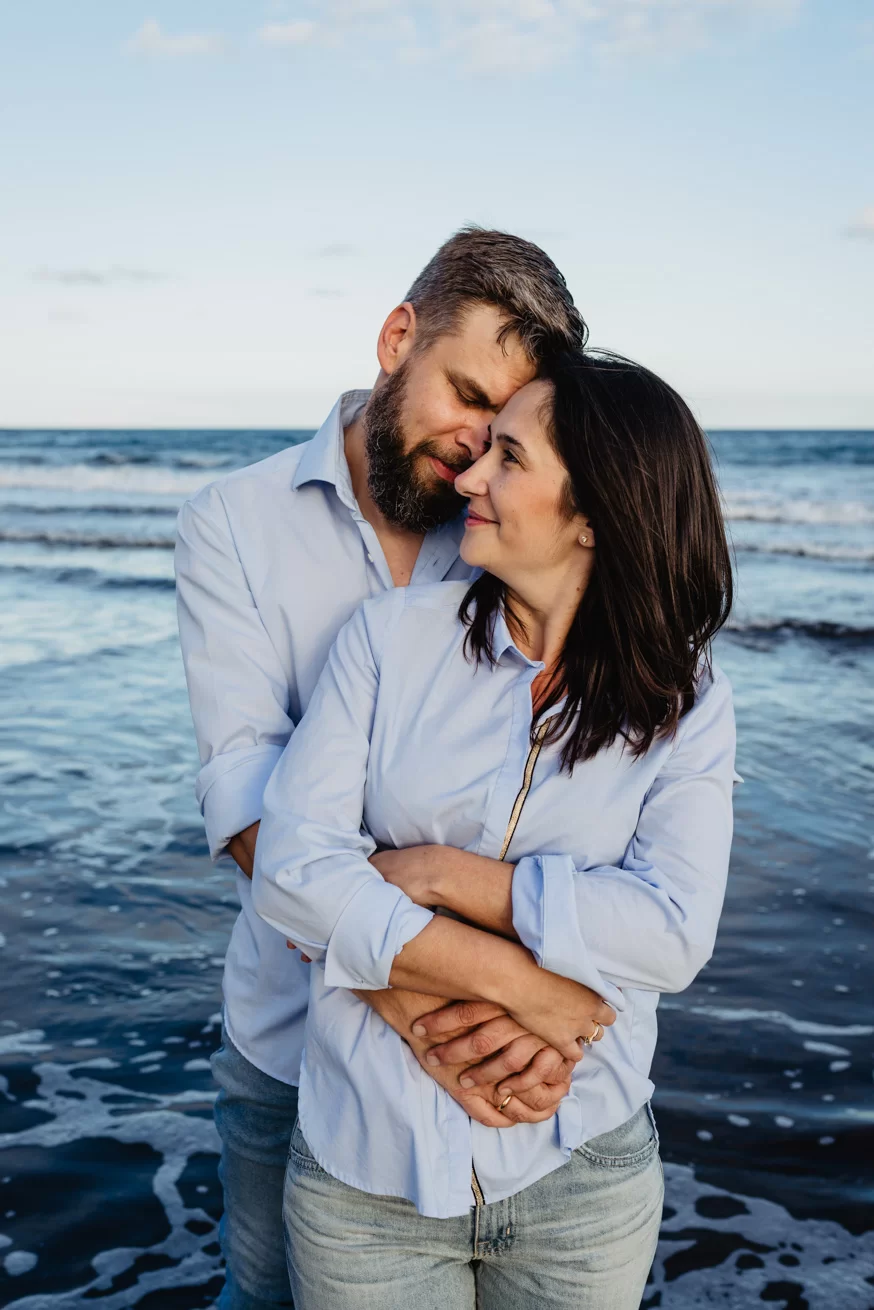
(295, 32)
(504, 35)
(96, 277)
(677, 27)
(863, 227)
(151, 40)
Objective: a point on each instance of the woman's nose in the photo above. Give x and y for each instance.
(472, 482)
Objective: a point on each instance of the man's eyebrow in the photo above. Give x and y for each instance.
(471, 389)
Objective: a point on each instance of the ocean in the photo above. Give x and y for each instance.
(113, 923)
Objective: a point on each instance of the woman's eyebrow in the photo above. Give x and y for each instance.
(507, 440)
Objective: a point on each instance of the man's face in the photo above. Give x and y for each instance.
(429, 420)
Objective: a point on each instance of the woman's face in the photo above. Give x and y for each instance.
(516, 525)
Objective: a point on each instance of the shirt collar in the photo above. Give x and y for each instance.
(324, 459)
(503, 642)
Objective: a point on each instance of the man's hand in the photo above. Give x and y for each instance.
(518, 1062)
(242, 848)
(411, 869)
(537, 1090)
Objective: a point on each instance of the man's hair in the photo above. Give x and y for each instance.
(477, 266)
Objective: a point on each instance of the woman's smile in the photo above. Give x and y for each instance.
(474, 520)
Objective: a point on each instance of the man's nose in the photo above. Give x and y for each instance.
(475, 437)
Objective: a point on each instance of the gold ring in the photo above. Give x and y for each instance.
(506, 1101)
(594, 1036)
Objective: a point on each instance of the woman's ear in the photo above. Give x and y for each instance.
(586, 535)
(396, 337)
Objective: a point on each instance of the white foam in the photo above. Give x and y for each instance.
(777, 1018)
(24, 1043)
(841, 1282)
(149, 1118)
(140, 479)
(762, 1227)
(759, 507)
(19, 1262)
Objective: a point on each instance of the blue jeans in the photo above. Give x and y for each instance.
(255, 1115)
(583, 1237)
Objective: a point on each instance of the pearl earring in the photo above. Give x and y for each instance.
(583, 538)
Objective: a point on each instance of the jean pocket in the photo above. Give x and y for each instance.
(299, 1153)
(632, 1143)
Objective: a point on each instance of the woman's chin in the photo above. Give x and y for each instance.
(471, 551)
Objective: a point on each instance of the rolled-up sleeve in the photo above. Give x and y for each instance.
(313, 880)
(237, 686)
(649, 922)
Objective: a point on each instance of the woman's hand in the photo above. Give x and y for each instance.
(562, 1012)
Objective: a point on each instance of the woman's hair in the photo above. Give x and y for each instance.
(638, 466)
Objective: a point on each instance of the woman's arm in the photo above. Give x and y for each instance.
(475, 887)
(649, 922)
(477, 965)
(313, 880)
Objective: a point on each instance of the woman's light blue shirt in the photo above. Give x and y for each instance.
(619, 878)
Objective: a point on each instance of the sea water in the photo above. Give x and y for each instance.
(113, 923)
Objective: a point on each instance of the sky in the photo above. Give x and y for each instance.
(209, 208)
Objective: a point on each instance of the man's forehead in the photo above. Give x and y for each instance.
(497, 367)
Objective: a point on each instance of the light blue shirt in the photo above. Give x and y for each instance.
(270, 563)
(619, 879)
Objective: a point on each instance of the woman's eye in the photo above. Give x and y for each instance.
(509, 457)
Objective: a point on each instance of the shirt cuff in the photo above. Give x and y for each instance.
(546, 918)
(230, 791)
(373, 928)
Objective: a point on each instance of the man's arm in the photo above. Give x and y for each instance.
(237, 686)
(239, 697)
(537, 1094)
(238, 691)
(241, 848)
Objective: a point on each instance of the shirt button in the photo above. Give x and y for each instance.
(370, 557)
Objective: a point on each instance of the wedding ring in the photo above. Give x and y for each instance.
(594, 1036)
(506, 1101)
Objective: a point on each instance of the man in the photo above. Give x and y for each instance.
(271, 561)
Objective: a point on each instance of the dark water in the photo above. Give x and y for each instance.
(114, 924)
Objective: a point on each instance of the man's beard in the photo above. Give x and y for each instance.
(392, 478)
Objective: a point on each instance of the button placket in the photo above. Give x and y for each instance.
(509, 780)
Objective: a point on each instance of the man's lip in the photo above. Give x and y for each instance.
(448, 474)
(474, 518)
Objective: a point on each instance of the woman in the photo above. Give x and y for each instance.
(548, 756)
